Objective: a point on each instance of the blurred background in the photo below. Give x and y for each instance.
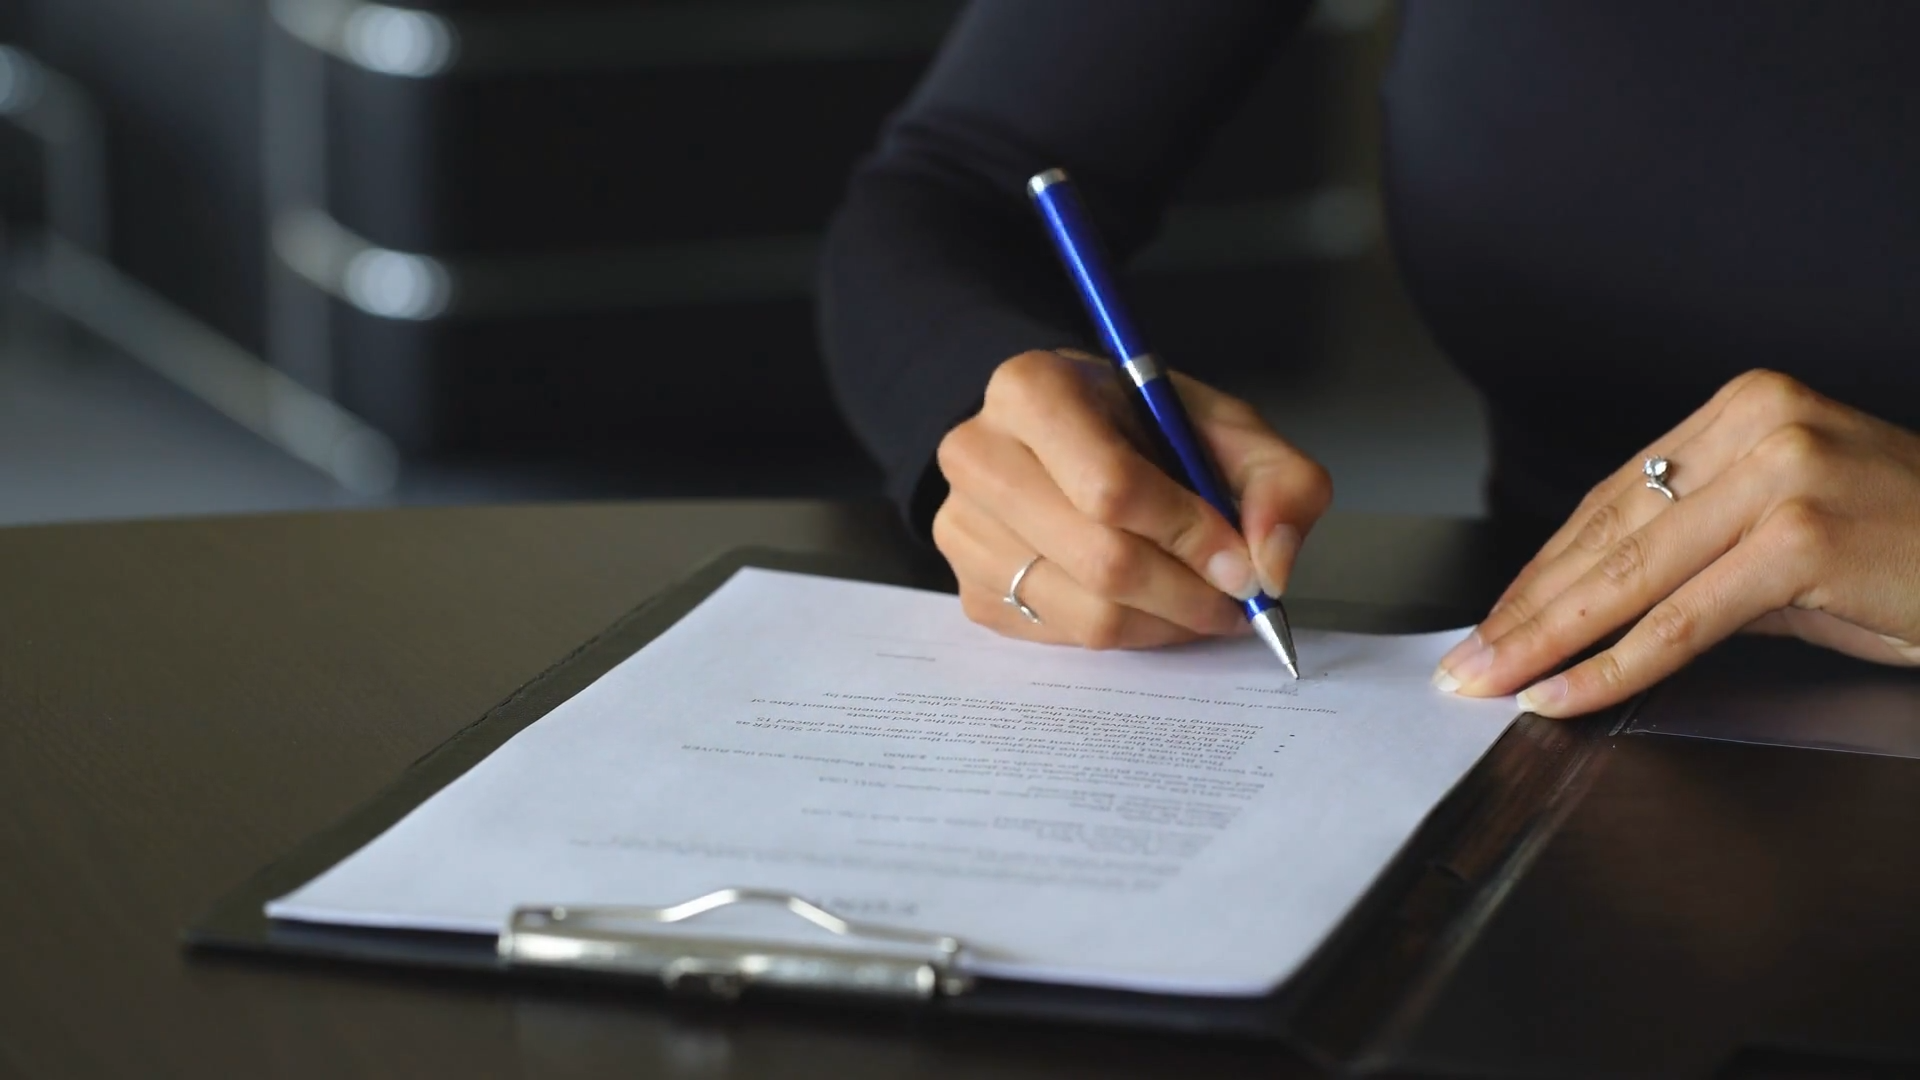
(285, 254)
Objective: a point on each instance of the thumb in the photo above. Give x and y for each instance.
(1281, 491)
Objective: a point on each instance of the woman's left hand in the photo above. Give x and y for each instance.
(1794, 515)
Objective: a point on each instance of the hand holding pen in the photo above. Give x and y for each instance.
(1057, 467)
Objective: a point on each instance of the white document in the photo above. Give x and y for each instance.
(1188, 821)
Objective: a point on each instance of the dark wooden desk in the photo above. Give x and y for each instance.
(182, 701)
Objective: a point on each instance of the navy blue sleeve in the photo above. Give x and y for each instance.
(935, 270)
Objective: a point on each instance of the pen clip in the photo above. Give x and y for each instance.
(607, 939)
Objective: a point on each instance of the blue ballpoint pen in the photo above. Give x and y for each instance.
(1073, 237)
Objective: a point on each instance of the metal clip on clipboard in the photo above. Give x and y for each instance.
(604, 939)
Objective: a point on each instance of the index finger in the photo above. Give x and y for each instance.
(1282, 492)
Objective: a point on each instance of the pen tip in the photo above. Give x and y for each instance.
(1272, 627)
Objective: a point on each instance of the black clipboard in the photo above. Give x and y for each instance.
(1355, 1005)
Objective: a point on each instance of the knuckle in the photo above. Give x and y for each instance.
(1524, 638)
(1598, 495)
(1626, 561)
(1802, 530)
(1772, 395)
(1515, 611)
(1792, 451)
(1543, 633)
(1608, 671)
(958, 451)
(1603, 528)
(944, 529)
(1193, 535)
(1111, 566)
(1106, 628)
(1733, 387)
(1017, 380)
(1107, 490)
(1671, 626)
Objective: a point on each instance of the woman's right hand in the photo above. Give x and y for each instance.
(1052, 465)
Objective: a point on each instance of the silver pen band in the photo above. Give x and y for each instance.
(1142, 369)
(1042, 181)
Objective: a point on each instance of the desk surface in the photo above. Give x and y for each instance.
(182, 701)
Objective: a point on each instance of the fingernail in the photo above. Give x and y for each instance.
(1544, 695)
(1276, 559)
(1473, 642)
(1232, 573)
(1466, 662)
